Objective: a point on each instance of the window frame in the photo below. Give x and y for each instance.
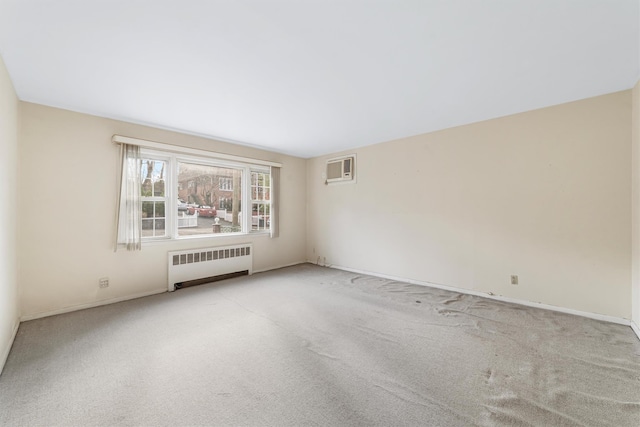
(171, 193)
(260, 201)
(154, 199)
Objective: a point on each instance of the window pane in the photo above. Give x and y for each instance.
(158, 188)
(159, 227)
(152, 178)
(209, 192)
(153, 219)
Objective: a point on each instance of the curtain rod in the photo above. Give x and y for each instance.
(119, 139)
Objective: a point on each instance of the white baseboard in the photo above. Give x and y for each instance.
(120, 299)
(635, 328)
(596, 316)
(7, 349)
(89, 305)
(279, 267)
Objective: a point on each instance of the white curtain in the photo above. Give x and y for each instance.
(275, 201)
(129, 204)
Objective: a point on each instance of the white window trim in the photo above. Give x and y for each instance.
(171, 192)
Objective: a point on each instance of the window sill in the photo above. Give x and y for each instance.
(211, 237)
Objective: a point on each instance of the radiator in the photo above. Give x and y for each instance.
(195, 264)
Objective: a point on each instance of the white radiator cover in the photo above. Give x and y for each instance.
(201, 263)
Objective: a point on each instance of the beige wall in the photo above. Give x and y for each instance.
(9, 310)
(635, 197)
(543, 195)
(67, 192)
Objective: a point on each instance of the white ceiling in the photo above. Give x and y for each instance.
(316, 76)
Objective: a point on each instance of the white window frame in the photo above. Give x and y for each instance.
(167, 184)
(171, 192)
(260, 201)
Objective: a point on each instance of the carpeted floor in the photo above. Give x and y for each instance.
(311, 346)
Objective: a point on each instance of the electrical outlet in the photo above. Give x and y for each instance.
(514, 279)
(104, 282)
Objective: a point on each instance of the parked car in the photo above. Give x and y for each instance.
(182, 206)
(205, 211)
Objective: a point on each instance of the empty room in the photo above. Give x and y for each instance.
(320, 213)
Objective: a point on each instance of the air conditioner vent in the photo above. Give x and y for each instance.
(340, 169)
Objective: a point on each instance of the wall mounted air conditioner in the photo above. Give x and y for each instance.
(341, 169)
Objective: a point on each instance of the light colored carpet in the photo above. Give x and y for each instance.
(310, 346)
